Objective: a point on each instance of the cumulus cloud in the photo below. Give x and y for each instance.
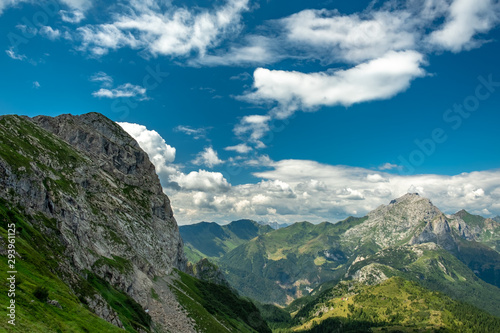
(256, 50)
(8, 3)
(377, 79)
(208, 157)
(380, 78)
(160, 153)
(49, 32)
(170, 31)
(298, 190)
(124, 90)
(171, 176)
(253, 126)
(73, 16)
(239, 148)
(202, 180)
(465, 19)
(353, 38)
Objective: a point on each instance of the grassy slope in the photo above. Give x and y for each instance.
(36, 268)
(396, 304)
(287, 255)
(216, 308)
(437, 270)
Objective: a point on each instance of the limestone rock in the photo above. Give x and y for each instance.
(101, 194)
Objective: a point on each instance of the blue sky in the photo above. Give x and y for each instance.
(276, 110)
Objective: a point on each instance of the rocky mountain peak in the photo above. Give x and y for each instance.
(396, 222)
(461, 213)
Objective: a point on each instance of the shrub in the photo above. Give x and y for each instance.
(42, 293)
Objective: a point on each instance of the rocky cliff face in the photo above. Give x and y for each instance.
(207, 271)
(394, 223)
(111, 215)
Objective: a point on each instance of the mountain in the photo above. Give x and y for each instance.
(395, 305)
(409, 237)
(97, 248)
(477, 228)
(211, 240)
(274, 225)
(287, 263)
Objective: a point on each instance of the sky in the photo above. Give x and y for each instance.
(276, 110)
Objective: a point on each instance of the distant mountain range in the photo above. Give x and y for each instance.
(98, 250)
(274, 225)
(211, 240)
(409, 238)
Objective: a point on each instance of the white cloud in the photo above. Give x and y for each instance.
(196, 133)
(377, 79)
(202, 180)
(49, 32)
(104, 79)
(352, 38)
(74, 16)
(239, 148)
(8, 3)
(297, 190)
(257, 50)
(16, 56)
(175, 32)
(207, 157)
(159, 152)
(124, 90)
(254, 125)
(36, 84)
(172, 178)
(388, 166)
(466, 18)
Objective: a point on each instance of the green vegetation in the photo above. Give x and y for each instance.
(37, 270)
(470, 219)
(296, 258)
(216, 308)
(22, 142)
(41, 293)
(436, 269)
(395, 305)
(211, 240)
(131, 314)
(121, 264)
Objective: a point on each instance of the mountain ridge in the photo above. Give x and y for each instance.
(96, 235)
(328, 253)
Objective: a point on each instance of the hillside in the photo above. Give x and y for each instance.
(97, 246)
(396, 305)
(409, 237)
(477, 228)
(211, 240)
(296, 258)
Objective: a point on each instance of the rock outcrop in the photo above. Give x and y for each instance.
(207, 271)
(88, 177)
(394, 223)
